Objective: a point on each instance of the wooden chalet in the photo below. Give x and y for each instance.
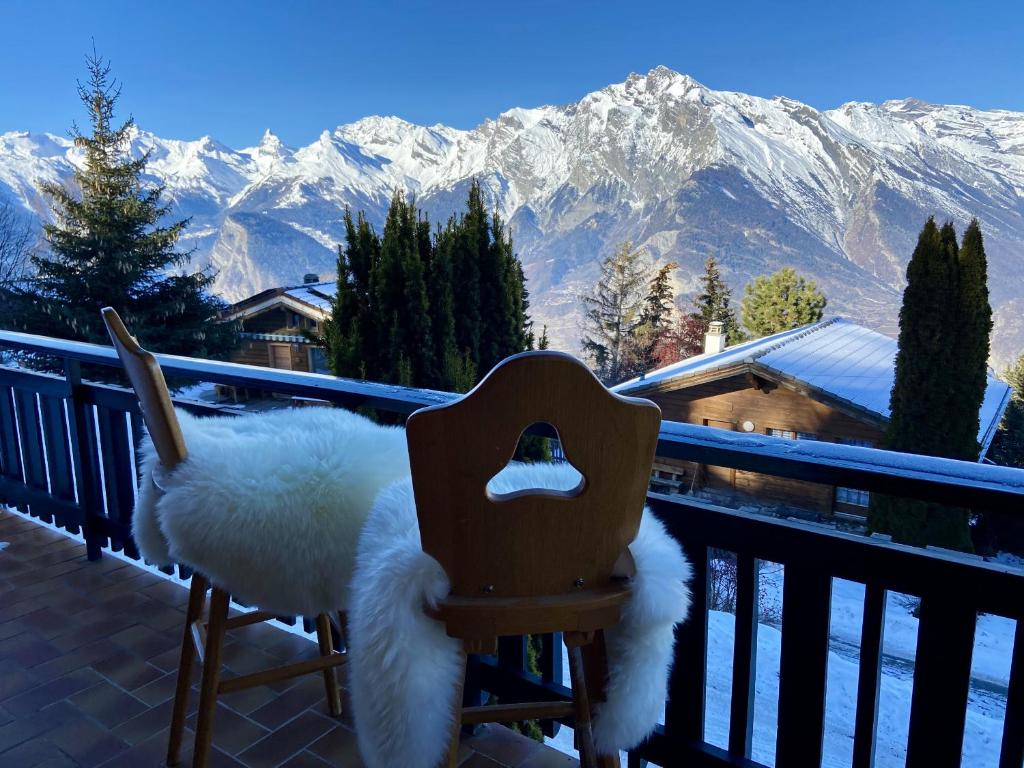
(275, 323)
(827, 381)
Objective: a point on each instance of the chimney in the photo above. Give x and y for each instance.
(310, 277)
(714, 339)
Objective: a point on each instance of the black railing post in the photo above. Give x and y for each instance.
(85, 461)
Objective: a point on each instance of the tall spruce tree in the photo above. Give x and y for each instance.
(712, 303)
(646, 349)
(109, 247)
(924, 404)
(613, 312)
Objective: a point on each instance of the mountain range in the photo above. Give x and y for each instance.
(661, 160)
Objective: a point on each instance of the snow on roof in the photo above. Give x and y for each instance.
(318, 295)
(846, 360)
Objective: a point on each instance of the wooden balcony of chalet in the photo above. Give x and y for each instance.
(89, 635)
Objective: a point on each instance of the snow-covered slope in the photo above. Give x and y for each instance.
(658, 159)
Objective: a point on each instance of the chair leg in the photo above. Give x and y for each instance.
(580, 700)
(211, 677)
(452, 759)
(595, 671)
(323, 636)
(196, 600)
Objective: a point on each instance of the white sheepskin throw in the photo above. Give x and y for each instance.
(269, 506)
(404, 669)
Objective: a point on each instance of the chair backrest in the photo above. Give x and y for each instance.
(150, 387)
(535, 542)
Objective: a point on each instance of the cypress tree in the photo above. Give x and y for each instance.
(108, 247)
(470, 231)
(924, 402)
(497, 327)
(972, 351)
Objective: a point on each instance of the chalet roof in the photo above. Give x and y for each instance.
(838, 358)
(312, 299)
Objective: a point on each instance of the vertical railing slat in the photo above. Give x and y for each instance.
(684, 713)
(10, 456)
(942, 675)
(744, 657)
(1011, 753)
(81, 431)
(870, 676)
(58, 453)
(116, 446)
(30, 435)
(803, 665)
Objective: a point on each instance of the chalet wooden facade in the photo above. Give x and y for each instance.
(275, 323)
(828, 381)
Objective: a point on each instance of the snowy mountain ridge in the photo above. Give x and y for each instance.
(658, 159)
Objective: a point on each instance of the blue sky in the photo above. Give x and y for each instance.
(231, 69)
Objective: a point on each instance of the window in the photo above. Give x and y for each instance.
(853, 496)
(806, 436)
(295, 320)
(786, 433)
(318, 360)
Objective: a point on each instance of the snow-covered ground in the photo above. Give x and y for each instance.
(986, 705)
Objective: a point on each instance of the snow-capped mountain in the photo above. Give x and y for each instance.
(658, 159)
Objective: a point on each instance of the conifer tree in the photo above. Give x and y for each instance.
(924, 403)
(646, 348)
(973, 330)
(396, 314)
(108, 246)
(542, 342)
(1008, 445)
(470, 235)
(712, 303)
(614, 311)
(779, 302)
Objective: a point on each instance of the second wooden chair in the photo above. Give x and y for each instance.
(534, 561)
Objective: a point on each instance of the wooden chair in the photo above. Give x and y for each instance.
(534, 561)
(205, 639)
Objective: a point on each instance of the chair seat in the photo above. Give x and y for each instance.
(478, 618)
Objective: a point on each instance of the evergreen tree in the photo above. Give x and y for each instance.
(779, 302)
(924, 404)
(712, 303)
(1008, 445)
(396, 317)
(108, 247)
(542, 342)
(471, 238)
(650, 341)
(973, 330)
(614, 311)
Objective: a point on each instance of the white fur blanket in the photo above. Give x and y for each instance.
(403, 668)
(269, 506)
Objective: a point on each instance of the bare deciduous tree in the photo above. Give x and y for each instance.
(17, 242)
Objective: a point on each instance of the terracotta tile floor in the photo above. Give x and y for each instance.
(88, 653)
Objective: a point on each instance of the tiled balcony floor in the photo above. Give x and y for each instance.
(88, 653)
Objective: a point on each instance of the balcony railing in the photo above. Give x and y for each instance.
(67, 456)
